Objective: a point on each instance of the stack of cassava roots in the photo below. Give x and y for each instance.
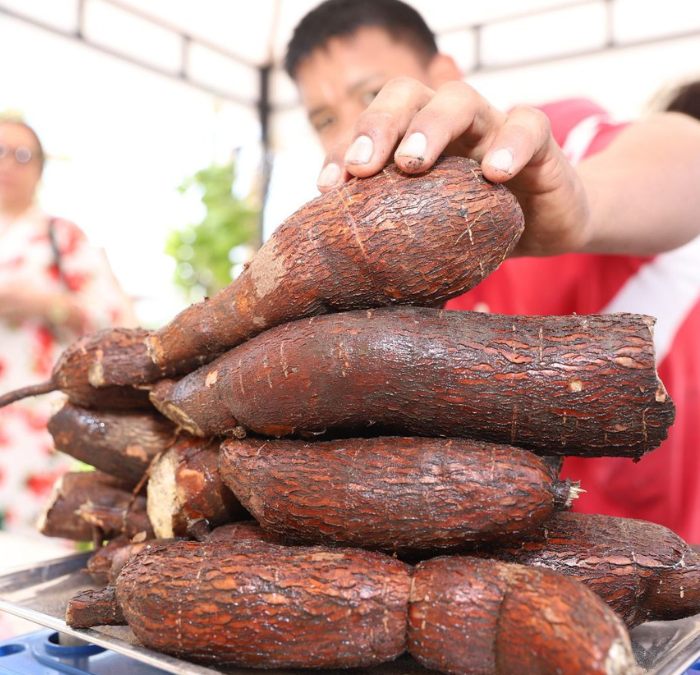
(320, 467)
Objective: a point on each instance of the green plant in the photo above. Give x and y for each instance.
(205, 252)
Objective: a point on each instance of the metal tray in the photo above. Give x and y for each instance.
(41, 592)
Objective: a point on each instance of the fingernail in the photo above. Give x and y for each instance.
(360, 152)
(413, 146)
(330, 175)
(502, 160)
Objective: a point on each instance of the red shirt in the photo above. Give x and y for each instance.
(662, 486)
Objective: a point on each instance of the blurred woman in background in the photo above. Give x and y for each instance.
(54, 287)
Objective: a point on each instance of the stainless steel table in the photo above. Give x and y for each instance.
(40, 593)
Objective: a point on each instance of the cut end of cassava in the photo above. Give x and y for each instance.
(661, 393)
(172, 412)
(96, 374)
(163, 500)
(154, 348)
(25, 392)
(620, 659)
(650, 321)
(43, 518)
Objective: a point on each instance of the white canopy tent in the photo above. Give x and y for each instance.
(152, 90)
(235, 50)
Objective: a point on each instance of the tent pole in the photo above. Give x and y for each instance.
(264, 110)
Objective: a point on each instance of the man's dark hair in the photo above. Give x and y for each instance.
(686, 100)
(336, 18)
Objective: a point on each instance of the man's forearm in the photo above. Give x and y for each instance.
(644, 189)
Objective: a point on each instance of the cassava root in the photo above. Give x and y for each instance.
(559, 385)
(389, 239)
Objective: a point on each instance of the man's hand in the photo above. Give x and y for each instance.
(413, 125)
(566, 209)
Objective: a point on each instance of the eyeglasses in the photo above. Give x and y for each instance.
(21, 154)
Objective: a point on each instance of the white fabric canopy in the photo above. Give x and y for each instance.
(222, 44)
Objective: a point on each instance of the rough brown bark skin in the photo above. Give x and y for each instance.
(243, 530)
(101, 370)
(84, 502)
(390, 493)
(70, 378)
(94, 608)
(561, 385)
(106, 563)
(389, 239)
(267, 606)
(195, 404)
(482, 617)
(112, 520)
(119, 442)
(123, 555)
(185, 490)
(71, 374)
(642, 570)
(118, 356)
(100, 562)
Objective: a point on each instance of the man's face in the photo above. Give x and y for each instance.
(338, 81)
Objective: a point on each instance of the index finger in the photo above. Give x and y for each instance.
(456, 116)
(380, 127)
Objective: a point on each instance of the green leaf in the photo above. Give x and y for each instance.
(202, 250)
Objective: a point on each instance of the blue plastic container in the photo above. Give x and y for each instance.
(40, 653)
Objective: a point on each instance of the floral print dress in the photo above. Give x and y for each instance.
(29, 465)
